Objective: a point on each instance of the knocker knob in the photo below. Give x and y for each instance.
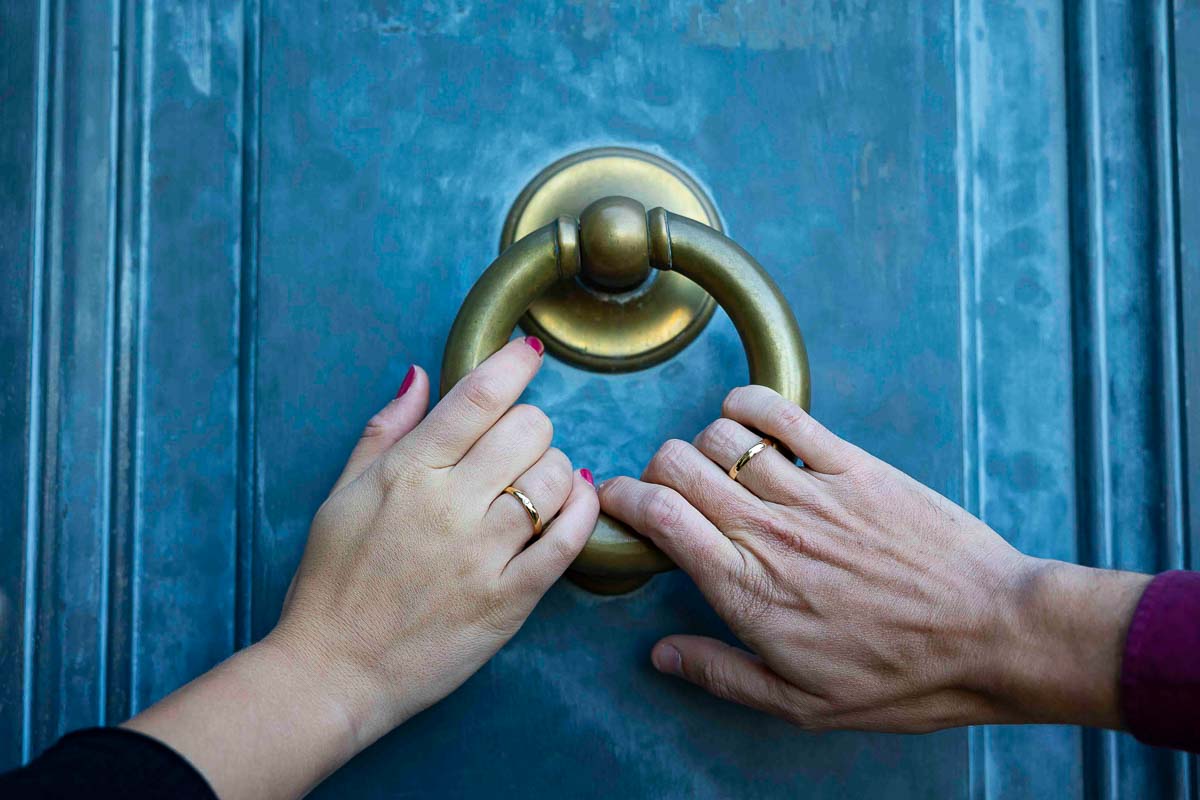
(614, 244)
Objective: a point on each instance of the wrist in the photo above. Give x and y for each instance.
(1061, 637)
(270, 721)
(347, 698)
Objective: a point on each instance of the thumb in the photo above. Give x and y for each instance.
(724, 671)
(389, 425)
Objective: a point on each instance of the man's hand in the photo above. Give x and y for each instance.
(869, 601)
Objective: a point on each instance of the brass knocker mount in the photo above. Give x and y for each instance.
(614, 246)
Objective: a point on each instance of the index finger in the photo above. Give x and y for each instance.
(664, 517)
(476, 402)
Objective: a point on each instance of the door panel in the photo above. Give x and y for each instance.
(232, 226)
(419, 172)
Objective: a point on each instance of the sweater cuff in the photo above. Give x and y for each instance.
(107, 762)
(1160, 671)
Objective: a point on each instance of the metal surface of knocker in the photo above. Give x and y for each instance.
(615, 244)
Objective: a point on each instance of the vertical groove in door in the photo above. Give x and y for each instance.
(1167, 239)
(968, 297)
(247, 441)
(36, 378)
(137, 286)
(184, 283)
(111, 271)
(1093, 490)
(49, 701)
(125, 409)
(78, 335)
(1183, 30)
(1182, 25)
(1125, 325)
(1015, 353)
(1166, 171)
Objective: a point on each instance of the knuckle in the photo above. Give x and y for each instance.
(662, 509)
(484, 392)
(753, 602)
(777, 698)
(715, 676)
(398, 472)
(789, 416)
(437, 438)
(710, 437)
(617, 486)
(559, 459)
(737, 397)
(708, 551)
(560, 472)
(534, 421)
(819, 505)
(553, 483)
(724, 434)
(563, 549)
(868, 479)
(782, 532)
(780, 486)
(620, 491)
(670, 457)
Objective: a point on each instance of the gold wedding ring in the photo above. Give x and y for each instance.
(755, 449)
(530, 508)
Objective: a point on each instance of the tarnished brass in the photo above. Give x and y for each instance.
(616, 559)
(624, 321)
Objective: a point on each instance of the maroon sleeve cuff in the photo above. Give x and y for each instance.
(1160, 672)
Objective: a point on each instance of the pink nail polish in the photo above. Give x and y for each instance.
(408, 379)
(536, 344)
(586, 474)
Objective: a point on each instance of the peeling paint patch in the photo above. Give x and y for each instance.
(445, 18)
(779, 24)
(190, 29)
(734, 24)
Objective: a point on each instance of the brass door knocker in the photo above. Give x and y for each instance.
(615, 243)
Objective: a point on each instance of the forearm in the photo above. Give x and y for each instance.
(270, 722)
(1057, 658)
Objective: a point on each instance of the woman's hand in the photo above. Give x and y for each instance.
(418, 568)
(869, 600)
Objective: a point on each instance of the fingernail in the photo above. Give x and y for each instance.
(586, 474)
(536, 344)
(408, 379)
(667, 659)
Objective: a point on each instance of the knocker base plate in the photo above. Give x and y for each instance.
(602, 330)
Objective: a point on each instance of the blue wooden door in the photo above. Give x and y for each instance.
(228, 226)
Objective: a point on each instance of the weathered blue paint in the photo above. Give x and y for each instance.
(229, 226)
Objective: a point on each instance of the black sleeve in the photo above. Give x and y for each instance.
(106, 762)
